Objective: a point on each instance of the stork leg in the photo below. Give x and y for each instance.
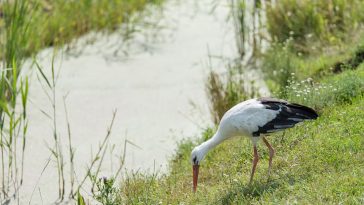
(271, 154)
(255, 162)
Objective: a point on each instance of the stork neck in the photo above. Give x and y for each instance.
(211, 143)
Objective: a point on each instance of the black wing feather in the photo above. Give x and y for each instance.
(288, 116)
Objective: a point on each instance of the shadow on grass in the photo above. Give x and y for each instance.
(243, 193)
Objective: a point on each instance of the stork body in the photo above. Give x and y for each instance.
(253, 118)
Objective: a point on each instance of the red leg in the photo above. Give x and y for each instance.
(255, 162)
(271, 154)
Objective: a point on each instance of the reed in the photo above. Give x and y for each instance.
(56, 23)
(13, 88)
(25, 28)
(227, 90)
(58, 154)
(249, 22)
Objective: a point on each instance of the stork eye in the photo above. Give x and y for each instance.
(195, 160)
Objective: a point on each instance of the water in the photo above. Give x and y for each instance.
(158, 92)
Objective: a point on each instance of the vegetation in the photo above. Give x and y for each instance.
(315, 58)
(310, 22)
(13, 98)
(225, 93)
(318, 162)
(26, 26)
(281, 61)
(56, 23)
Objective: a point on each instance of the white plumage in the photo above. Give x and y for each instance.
(246, 118)
(253, 118)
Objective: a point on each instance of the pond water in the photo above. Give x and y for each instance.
(158, 90)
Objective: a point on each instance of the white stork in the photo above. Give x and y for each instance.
(253, 118)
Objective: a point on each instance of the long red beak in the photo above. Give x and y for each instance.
(195, 176)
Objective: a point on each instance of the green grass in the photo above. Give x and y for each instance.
(281, 61)
(312, 39)
(55, 23)
(331, 90)
(320, 162)
(313, 23)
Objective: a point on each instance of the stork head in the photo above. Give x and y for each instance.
(196, 157)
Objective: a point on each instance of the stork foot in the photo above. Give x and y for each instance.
(255, 162)
(271, 155)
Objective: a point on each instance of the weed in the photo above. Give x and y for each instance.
(313, 21)
(57, 152)
(13, 125)
(223, 94)
(80, 199)
(248, 19)
(334, 90)
(352, 63)
(278, 65)
(106, 192)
